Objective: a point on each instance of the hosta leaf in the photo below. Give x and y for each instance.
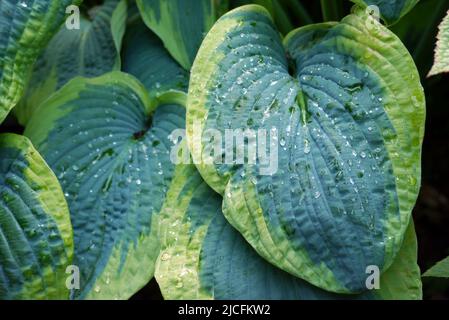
(181, 24)
(26, 26)
(145, 57)
(276, 10)
(203, 257)
(36, 242)
(91, 51)
(349, 112)
(440, 270)
(391, 11)
(442, 50)
(108, 143)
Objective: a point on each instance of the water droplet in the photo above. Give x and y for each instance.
(282, 142)
(97, 289)
(306, 146)
(165, 256)
(138, 182)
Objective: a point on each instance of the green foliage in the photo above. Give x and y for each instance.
(440, 270)
(338, 124)
(442, 49)
(36, 235)
(114, 175)
(91, 51)
(181, 24)
(96, 180)
(26, 29)
(203, 257)
(390, 11)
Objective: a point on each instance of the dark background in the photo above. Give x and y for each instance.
(418, 31)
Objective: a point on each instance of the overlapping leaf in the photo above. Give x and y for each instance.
(441, 63)
(108, 143)
(36, 242)
(181, 24)
(349, 113)
(203, 257)
(91, 51)
(26, 26)
(145, 57)
(391, 11)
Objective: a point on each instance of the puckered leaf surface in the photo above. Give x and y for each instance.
(36, 239)
(91, 51)
(204, 257)
(26, 26)
(346, 109)
(109, 145)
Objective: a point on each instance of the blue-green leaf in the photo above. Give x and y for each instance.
(344, 108)
(181, 24)
(91, 51)
(108, 143)
(26, 26)
(391, 11)
(145, 57)
(36, 242)
(204, 257)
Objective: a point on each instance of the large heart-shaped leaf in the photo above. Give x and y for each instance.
(203, 257)
(441, 63)
(108, 143)
(36, 242)
(345, 114)
(145, 57)
(181, 24)
(91, 51)
(26, 26)
(391, 11)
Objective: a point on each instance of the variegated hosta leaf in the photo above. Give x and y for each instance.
(440, 270)
(36, 242)
(204, 257)
(91, 51)
(345, 173)
(145, 57)
(108, 144)
(391, 11)
(181, 24)
(441, 63)
(26, 26)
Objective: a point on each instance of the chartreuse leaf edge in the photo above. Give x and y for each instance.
(350, 115)
(36, 238)
(108, 143)
(26, 30)
(203, 257)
